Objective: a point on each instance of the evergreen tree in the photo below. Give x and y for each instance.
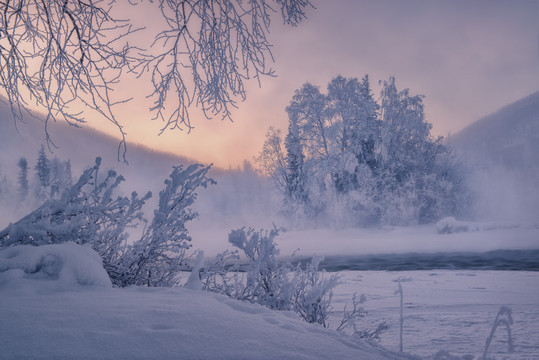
(295, 192)
(60, 177)
(43, 173)
(23, 178)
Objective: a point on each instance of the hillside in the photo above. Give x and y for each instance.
(81, 145)
(500, 151)
(509, 137)
(240, 198)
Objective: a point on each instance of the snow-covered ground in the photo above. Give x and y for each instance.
(56, 303)
(448, 310)
(51, 309)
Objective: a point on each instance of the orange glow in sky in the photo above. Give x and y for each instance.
(468, 59)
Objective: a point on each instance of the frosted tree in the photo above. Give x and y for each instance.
(22, 178)
(296, 186)
(421, 179)
(60, 176)
(66, 54)
(351, 160)
(43, 174)
(352, 111)
(308, 122)
(5, 188)
(271, 161)
(351, 104)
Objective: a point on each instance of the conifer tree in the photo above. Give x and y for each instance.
(23, 178)
(43, 173)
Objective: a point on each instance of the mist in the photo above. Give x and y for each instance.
(498, 154)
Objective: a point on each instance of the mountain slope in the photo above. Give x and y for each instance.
(509, 137)
(240, 198)
(501, 151)
(81, 145)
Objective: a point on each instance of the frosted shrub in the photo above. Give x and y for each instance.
(88, 212)
(312, 298)
(159, 255)
(85, 213)
(268, 281)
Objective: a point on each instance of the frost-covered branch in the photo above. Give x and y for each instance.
(60, 55)
(156, 258)
(86, 213)
(207, 51)
(67, 57)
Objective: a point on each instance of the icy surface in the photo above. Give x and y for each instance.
(448, 310)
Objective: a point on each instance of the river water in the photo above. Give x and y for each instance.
(516, 260)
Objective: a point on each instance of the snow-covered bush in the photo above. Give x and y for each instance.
(313, 293)
(269, 281)
(450, 225)
(351, 316)
(156, 258)
(88, 212)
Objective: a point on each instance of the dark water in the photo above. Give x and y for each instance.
(518, 260)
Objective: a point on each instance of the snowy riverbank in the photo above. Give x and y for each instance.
(52, 310)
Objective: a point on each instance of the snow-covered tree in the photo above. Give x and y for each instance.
(271, 160)
(5, 187)
(296, 185)
(351, 160)
(63, 54)
(43, 174)
(60, 176)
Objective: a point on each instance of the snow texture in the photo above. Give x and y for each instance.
(54, 267)
(145, 323)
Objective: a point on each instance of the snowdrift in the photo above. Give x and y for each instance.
(55, 267)
(91, 320)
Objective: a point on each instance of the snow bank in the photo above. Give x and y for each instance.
(56, 267)
(164, 323)
(95, 321)
(450, 225)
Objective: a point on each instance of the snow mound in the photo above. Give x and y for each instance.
(57, 267)
(450, 225)
(164, 323)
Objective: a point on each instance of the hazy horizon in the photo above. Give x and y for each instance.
(469, 59)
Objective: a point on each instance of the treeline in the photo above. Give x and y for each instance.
(45, 180)
(350, 160)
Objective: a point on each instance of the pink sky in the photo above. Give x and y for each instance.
(468, 58)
